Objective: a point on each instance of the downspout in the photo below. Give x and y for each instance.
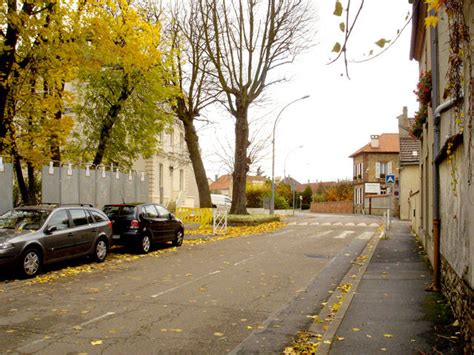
(435, 286)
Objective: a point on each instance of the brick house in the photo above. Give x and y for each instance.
(223, 184)
(370, 164)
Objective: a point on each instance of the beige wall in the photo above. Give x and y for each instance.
(409, 183)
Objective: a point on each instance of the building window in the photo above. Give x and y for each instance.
(382, 169)
(160, 175)
(172, 140)
(181, 179)
(181, 143)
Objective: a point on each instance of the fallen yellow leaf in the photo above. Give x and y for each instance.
(96, 342)
(355, 329)
(217, 334)
(386, 335)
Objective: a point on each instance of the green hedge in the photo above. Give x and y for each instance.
(251, 220)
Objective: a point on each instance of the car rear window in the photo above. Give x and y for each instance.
(23, 219)
(114, 210)
(79, 217)
(98, 217)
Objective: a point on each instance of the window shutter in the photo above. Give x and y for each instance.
(377, 169)
(362, 170)
(389, 167)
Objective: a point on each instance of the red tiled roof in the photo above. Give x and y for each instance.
(388, 143)
(408, 146)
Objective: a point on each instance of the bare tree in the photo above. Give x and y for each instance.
(246, 40)
(191, 75)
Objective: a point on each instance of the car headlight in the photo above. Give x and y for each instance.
(5, 246)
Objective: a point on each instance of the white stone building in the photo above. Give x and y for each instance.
(171, 180)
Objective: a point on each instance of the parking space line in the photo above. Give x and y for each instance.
(185, 284)
(243, 261)
(108, 314)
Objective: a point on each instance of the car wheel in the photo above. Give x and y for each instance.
(30, 263)
(178, 241)
(100, 251)
(145, 244)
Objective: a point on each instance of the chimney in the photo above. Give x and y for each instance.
(374, 141)
(215, 177)
(403, 125)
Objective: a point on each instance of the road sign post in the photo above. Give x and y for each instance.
(390, 181)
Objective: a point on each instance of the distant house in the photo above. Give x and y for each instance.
(315, 186)
(170, 173)
(409, 170)
(223, 184)
(371, 164)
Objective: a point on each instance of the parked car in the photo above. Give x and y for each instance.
(33, 236)
(141, 225)
(220, 201)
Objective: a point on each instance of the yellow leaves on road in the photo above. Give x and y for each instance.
(218, 334)
(96, 342)
(119, 257)
(306, 342)
(356, 329)
(386, 335)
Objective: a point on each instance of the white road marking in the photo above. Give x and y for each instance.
(362, 224)
(350, 224)
(49, 337)
(365, 236)
(303, 224)
(337, 224)
(319, 235)
(373, 225)
(315, 223)
(185, 284)
(243, 261)
(326, 224)
(292, 223)
(344, 234)
(108, 314)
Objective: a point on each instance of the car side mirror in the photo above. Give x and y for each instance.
(50, 229)
(142, 216)
(170, 216)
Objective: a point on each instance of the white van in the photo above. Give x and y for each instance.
(220, 201)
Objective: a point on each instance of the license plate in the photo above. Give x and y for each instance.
(116, 236)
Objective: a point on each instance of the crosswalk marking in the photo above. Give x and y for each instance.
(336, 224)
(322, 234)
(365, 236)
(344, 234)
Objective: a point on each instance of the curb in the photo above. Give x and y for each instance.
(343, 299)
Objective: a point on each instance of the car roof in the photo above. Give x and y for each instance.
(133, 204)
(51, 206)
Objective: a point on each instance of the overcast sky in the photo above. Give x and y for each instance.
(340, 114)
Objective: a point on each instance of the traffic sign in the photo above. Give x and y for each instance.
(390, 179)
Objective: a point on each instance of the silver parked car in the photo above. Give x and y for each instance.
(33, 236)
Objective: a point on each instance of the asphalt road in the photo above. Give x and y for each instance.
(240, 295)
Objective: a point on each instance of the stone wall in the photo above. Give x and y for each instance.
(460, 296)
(343, 207)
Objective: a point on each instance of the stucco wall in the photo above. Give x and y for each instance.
(409, 183)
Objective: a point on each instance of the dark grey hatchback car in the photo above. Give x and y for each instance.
(33, 236)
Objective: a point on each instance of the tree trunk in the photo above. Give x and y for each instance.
(241, 164)
(25, 198)
(31, 184)
(55, 148)
(192, 142)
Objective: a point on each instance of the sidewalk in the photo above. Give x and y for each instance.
(391, 313)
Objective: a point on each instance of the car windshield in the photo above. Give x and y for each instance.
(23, 219)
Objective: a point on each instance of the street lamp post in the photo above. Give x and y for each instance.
(272, 201)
